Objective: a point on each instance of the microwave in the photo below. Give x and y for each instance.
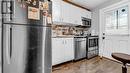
(86, 22)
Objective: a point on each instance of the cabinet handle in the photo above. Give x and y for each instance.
(65, 41)
(62, 42)
(62, 19)
(7, 47)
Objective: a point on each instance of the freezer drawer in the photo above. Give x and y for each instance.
(26, 49)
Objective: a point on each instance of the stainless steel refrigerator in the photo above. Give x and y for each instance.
(26, 42)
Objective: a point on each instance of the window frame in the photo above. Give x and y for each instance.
(110, 8)
(117, 18)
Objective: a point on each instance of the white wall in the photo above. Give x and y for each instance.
(95, 14)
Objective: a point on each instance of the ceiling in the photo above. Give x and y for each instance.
(90, 4)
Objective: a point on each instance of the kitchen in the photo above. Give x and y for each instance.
(65, 36)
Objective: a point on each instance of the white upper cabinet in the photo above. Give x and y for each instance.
(89, 14)
(65, 13)
(75, 17)
(85, 13)
(56, 10)
(70, 14)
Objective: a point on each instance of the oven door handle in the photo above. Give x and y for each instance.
(80, 40)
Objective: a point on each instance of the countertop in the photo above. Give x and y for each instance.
(72, 36)
(64, 36)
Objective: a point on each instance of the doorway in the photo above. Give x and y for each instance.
(114, 29)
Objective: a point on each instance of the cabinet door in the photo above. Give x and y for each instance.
(70, 14)
(56, 11)
(54, 56)
(69, 49)
(83, 13)
(88, 14)
(62, 51)
(75, 15)
(57, 51)
(65, 12)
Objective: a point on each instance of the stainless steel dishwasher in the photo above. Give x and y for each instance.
(80, 48)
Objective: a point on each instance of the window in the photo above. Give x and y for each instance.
(117, 21)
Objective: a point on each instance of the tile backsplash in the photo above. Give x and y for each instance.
(61, 30)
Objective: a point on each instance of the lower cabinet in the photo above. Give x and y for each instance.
(62, 50)
(68, 49)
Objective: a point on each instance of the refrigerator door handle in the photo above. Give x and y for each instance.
(8, 48)
(10, 43)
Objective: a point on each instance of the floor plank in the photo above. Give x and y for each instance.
(95, 65)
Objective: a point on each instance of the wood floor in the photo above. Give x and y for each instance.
(95, 65)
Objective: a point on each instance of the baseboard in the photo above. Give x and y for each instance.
(71, 61)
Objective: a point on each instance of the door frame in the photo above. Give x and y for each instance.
(101, 21)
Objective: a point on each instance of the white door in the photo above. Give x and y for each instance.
(114, 29)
